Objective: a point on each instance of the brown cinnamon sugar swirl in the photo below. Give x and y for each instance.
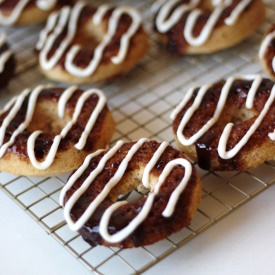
(206, 26)
(228, 125)
(94, 196)
(50, 130)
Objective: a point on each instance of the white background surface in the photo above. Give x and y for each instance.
(242, 243)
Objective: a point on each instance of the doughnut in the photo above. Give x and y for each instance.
(50, 130)
(28, 12)
(201, 27)
(95, 203)
(7, 61)
(228, 125)
(267, 52)
(84, 44)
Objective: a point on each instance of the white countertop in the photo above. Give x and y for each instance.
(241, 243)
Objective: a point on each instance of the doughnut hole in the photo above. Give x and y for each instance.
(206, 6)
(235, 115)
(132, 181)
(90, 35)
(51, 122)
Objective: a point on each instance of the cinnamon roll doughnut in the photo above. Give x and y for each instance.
(28, 12)
(94, 196)
(84, 44)
(267, 52)
(196, 26)
(228, 125)
(7, 61)
(50, 130)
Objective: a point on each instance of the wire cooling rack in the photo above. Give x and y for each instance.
(141, 104)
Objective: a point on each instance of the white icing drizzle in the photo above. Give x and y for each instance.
(18, 9)
(16, 104)
(264, 47)
(4, 57)
(46, 4)
(167, 17)
(165, 23)
(257, 79)
(221, 2)
(207, 28)
(69, 17)
(103, 226)
(12, 113)
(101, 11)
(226, 132)
(232, 19)
(152, 163)
(45, 42)
(256, 82)
(156, 5)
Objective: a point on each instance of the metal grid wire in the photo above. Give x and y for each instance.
(141, 104)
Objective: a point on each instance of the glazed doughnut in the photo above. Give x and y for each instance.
(84, 44)
(196, 26)
(267, 52)
(94, 196)
(27, 12)
(7, 61)
(228, 125)
(50, 130)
